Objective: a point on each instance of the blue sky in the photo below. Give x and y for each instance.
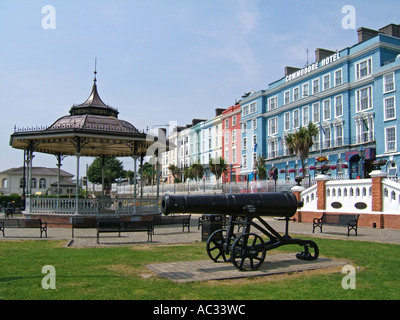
(158, 60)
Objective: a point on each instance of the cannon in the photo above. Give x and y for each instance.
(246, 250)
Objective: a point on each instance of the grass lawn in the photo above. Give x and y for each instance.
(120, 273)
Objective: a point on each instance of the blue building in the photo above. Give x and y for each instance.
(350, 95)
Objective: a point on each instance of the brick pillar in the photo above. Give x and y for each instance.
(321, 191)
(377, 192)
(297, 190)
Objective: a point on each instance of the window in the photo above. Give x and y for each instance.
(226, 155)
(306, 90)
(327, 137)
(306, 116)
(364, 69)
(286, 117)
(364, 129)
(244, 161)
(338, 77)
(233, 136)
(234, 121)
(338, 135)
(244, 143)
(364, 99)
(339, 106)
(234, 155)
(272, 146)
(245, 110)
(272, 103)
(254, 124)
(42, 183)
(296, 119)
(315, 85)
(390, 139)
(327, 81)
(315, 110)
(253, 107)
(226, 137)
(327, 109)
(22, 182)
(388, 83)
(226, 123)
(273, 126)
(244, 126)
(287, 97)
(254, 141)
(390, 109)
(33, 183)
(296, 94)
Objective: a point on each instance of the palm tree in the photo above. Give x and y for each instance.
(174, 171)
(217, 167)
(300, 142)
(197, 170)
(261, 170)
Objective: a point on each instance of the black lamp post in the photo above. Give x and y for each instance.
(361, 154)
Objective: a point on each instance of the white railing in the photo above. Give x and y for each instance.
(391, 196)
(93, 206)
(349, 193)
(309, 198)
(353, 196)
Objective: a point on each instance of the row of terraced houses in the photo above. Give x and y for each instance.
(350, 95)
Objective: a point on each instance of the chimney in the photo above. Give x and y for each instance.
(365, 34)
(218, 111)
(290, 70)
(391, 30)
(322, 54)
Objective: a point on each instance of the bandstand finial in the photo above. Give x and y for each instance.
(95, 70)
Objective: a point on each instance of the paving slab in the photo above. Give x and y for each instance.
(205, 270)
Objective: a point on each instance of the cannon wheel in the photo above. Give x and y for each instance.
(248, 252)
(306, 254)
(217, 245)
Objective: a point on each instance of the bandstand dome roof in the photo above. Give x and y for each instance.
(91, 128)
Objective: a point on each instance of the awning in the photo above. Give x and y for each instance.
(370, 153)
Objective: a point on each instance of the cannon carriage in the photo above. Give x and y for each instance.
(246, 250)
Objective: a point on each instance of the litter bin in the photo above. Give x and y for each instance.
(209, 224)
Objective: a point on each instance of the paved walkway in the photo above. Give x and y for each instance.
(174, 234)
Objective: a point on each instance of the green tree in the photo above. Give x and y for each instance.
(261, 170)
(113, 169)
(197, 170)
(300, 142)
(174, 171)
(217, 167)
(130, 175)
(146, 172)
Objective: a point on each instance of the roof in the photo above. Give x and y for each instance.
(91, 129)
(93, 105)
(37, 171)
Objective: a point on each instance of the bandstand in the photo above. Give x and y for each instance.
(92, 129)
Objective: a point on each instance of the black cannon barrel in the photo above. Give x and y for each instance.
(274, 204)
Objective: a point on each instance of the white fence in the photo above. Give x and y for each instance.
(353, 195)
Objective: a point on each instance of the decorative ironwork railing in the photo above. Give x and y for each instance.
(123, 206)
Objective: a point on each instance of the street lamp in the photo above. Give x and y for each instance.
(361, 154)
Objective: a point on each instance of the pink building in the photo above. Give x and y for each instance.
(231, 142)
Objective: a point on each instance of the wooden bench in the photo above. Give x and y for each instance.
(178, 219)
(348, 220)
(115, 224)
(83, 222)
(23, 223)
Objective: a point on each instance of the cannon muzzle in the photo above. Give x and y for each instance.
(274, 204)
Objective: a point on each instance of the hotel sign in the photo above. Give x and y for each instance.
(312, 67)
